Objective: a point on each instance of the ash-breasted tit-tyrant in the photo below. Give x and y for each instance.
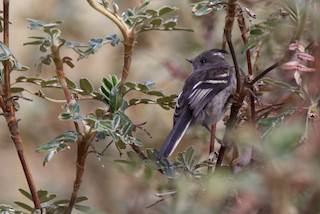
(204, 98)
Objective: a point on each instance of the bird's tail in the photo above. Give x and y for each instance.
(174, 137)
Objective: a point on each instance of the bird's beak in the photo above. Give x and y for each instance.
(190, 60)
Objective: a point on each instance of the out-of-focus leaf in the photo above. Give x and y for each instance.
(201, 9)
(57, 144)
(17, 90)
(187, 159)
(142, 6)
(280, 84)
(81, 199)
(114, 39)
(116, 121)
(166, 9)
(82, 208)
(272, 122)
(151, 164)
(24, 206)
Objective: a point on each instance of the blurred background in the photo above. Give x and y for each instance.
(158, 57)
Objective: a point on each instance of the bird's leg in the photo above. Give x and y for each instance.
(211, 147)
(214, 135)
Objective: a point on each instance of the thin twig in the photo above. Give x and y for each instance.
(7, 106)
(211, 148)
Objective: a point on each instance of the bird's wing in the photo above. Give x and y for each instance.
(204, 91)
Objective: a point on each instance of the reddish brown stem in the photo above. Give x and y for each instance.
(211, 148)
(9, 112)
(127, 56)
(83, 146)
(244, 30)
(229, 21)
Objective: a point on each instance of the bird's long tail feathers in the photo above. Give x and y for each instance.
(174, 137)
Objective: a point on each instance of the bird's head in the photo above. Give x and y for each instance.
(207, 58)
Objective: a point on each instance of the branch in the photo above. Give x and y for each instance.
(9, 112)
(83, 146)
(240, 94)
(122, 27)
(129, 37)
(244, 34)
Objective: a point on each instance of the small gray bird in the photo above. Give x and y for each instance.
(204, 97)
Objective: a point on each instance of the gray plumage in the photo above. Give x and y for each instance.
(204, 97)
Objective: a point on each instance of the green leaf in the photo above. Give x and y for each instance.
(171, 23)
(24, 206)
(121, 145)
(71, 84)
(151, 12)
(81, 198)
(116, 121)
(134, 156)
(114, 39)
(280, 84)
(156, 22)
(63, 201)
(142, 6)
(152, 154)
(251, 44)
(166, 9)
(152, 164)
(35, 24)
(256, 32)
(17, 90)
(65, 116)
(201, 10)
(82, 208)
(86, 86)
(48, 198)
(42, 194)
(126, 129)
(5, 52)
(187, 159)
(25, 193)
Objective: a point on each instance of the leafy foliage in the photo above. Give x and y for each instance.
(259, 32)
(202, 8)
(141, 18)
(58, 144)
(49, 206)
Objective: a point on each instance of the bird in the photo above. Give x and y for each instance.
(204, 98)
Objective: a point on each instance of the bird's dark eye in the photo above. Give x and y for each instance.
(203, 61)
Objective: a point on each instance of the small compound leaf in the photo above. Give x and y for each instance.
(25, 193)
(81, 198)
(86, 86)
(151, 164)
(116, 121)
(65, 116)
(24, 206)
(121, 145)
(151, 12)
(142, 6)
(201, 10)
(17, 90)
(82, 208)
(42, 194)
(48, 198)
(166, 9)
(71, 84)
(114, 39)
